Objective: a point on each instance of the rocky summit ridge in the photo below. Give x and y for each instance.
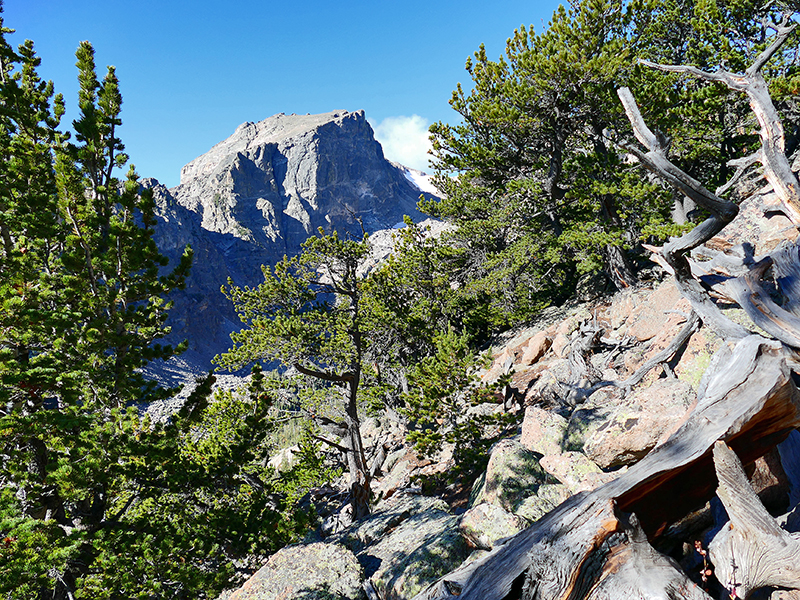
(258, 195)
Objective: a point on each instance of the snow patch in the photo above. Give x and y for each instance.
(422, 181)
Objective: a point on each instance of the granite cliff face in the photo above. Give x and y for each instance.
(258, 195)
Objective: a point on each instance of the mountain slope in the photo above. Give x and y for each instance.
(258, 195)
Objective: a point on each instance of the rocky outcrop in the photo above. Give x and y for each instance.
(512, 474)
(317, 571)
(273, 183)
(406, 543)
(258, 195)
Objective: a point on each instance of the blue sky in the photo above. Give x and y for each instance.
(191, 72)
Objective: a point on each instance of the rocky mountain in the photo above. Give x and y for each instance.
(258, 195)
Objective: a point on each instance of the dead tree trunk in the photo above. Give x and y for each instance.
(751, 551)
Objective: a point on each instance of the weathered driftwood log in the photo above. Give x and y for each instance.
(751, 551)
(615, 558)
(751, 403)
(634, 569)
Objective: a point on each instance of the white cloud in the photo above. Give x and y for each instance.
(405, 140)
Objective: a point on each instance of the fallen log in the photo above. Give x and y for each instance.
(751, 551)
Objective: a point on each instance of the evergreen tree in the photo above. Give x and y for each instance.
(541, 191)
(541, 196)
(96, 501)
(309, 315)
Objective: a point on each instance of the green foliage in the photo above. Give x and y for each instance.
(540, 195)
(444, 387)
(534, 184)
(309, 315)
(300, 314)
(310, 469)
(95, 500)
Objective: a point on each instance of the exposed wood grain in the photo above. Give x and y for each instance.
(634, 569)
(751, 296)
(751, 551)
(563, 567)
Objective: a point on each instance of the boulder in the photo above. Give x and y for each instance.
(629, 430)
(537, 346)
(317, 571)
(560, 345)
(647, 319)
(512, 474)
(546, 498)
(543, 431)
(548, 388)
(575, 471)
(484, 524)
(408, 542)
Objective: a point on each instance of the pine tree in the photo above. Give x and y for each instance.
(309, 316)
(542, 192)
(96, 501)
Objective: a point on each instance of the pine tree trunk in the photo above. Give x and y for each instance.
(360, 479)
(618, 267)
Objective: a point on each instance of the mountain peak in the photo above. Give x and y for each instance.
(276, 129)
(260, 193)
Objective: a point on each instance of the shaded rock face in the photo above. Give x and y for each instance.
(408, 542)
(512, 474)
(313, 572)
(257, 196)
(485, 524)
(275, 182)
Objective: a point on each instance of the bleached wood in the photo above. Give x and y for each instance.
(762, 310)
(751, 551)
(634, 569)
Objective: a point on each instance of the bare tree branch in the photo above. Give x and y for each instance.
(773, 144)
(722, 211)
(782, 32)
